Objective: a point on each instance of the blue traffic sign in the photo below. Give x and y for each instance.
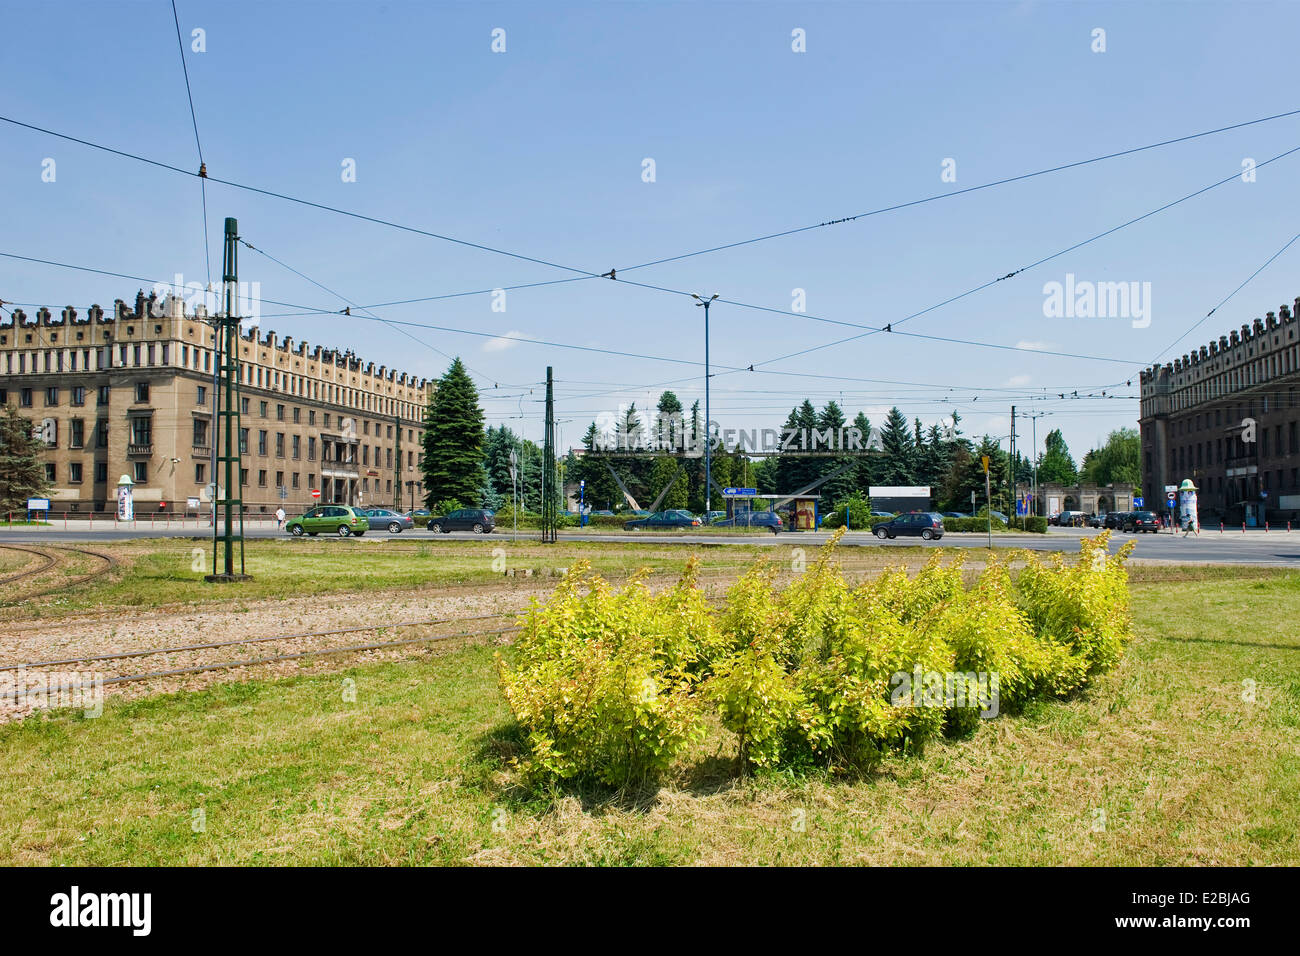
(1137, 501)
(732, 492)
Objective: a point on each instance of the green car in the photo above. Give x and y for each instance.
(332, 519)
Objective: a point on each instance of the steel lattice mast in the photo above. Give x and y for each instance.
(231, 494)
(549, 517)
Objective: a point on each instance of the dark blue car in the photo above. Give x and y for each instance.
(753, 519)
(922, 524)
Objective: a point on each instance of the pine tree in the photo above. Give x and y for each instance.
(897, 464)
(932, 461)
(865, 473)
(453, 441)
(669, 424)
(841, 486)
(22, 475)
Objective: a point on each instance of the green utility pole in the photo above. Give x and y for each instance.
(397, 474)
(550, 519)
(231, 497)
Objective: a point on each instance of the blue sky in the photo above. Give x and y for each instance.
(539, 150)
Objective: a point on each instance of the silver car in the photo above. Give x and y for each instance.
(382, 519)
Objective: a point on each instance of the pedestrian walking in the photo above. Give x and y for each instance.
(279, 518)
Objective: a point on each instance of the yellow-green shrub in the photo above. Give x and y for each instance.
(594, 688)
(756, 701)
(848, 717)
(613, 686)
(1083, 607)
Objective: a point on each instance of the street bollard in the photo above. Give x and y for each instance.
(1243, 527)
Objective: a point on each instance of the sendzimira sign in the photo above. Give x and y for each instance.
(671, 439)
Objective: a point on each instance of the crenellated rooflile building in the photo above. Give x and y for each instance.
(131, 393)
(1227, 416)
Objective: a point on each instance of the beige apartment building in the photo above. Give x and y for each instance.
(131, 393)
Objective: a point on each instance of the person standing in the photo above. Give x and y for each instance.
(279, 518)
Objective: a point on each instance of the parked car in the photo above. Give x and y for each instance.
(926, 524)
(954, 514)
(386, 519)
(419, 513)
(1070, 519)
(331, 519)
(752, 519)
(1114, 520)
(882, 514)
(1136, 521)
(663, 519)
(709, 517)
(478, 520)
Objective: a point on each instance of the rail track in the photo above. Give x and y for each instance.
(49, 559)
(51, 556)
(88, 662)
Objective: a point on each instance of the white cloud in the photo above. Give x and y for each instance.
(1015, 381)
(1036, 346)
(503, 342)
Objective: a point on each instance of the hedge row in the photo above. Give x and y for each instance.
(615, 686)
(981, 523)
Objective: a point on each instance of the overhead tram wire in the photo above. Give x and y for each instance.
(422, 325)
(869, 329)
(353, 305)
(194, 119)
(961, 192)
(1225, 299)
(304, 202)
(889, 328)
(612, 273)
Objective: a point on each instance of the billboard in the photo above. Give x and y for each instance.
(900, 497)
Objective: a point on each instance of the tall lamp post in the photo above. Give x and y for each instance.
(1035, 416)
(708, 439)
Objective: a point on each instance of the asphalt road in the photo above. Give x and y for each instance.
(1274, 548)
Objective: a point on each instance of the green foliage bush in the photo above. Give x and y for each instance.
(615, 686)
(601, 691)
(858, 509)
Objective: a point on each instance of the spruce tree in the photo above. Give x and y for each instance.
(453, 441)
(22, 475)
(898, 462)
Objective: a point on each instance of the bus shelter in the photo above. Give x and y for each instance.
(798, 512)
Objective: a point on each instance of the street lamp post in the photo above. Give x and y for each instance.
(708, 439)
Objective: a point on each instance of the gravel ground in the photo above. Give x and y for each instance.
(112, 633)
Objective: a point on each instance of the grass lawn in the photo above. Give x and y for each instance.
(1162, 762)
